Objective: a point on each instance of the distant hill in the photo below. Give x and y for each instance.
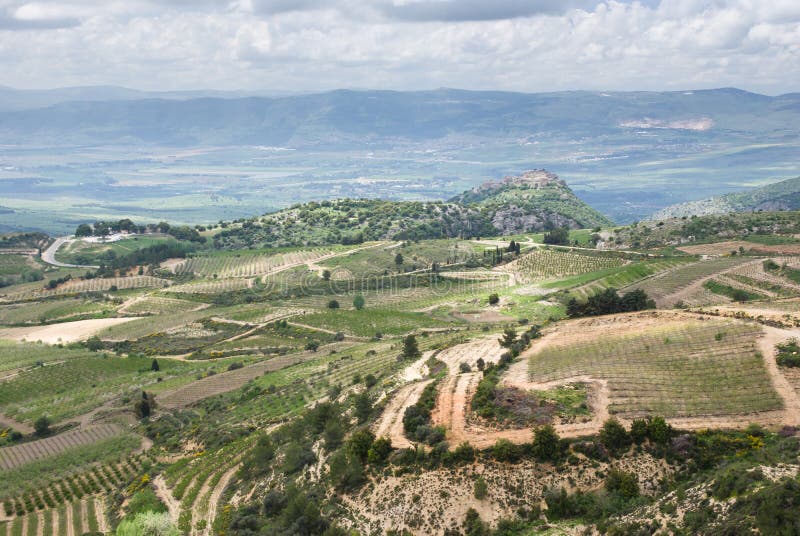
(533, 201)
(346, 118)
(784, 195)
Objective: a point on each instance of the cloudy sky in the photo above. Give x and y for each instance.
(521, 45)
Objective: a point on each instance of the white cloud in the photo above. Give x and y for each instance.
(404, 44)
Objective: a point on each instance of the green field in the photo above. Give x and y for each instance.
(78, 384)
(368, 322)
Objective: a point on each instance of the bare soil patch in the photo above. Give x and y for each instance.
(65, 332)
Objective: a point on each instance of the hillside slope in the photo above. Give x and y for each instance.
(533, 201)
(783, 195)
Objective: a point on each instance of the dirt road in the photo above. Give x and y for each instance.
(391, 422)
(49, 255)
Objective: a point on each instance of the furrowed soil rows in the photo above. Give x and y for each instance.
(686, 283)
(678, 368)
(244, 265)
(11, 457)
(227, 381)
(91, 285)
(542, 263)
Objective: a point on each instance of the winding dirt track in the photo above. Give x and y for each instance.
(163, 493)
(100, 509)
(391, 422)
(70, 525)
(216, 494)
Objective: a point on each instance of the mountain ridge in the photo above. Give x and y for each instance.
(355, 118)
(782, 195)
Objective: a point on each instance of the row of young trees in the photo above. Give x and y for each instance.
(610, 302)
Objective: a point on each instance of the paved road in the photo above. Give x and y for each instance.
(49, 255)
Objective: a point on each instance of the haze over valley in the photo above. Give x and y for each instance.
(399, 268)
(94, 153)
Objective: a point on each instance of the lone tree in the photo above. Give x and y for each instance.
(144, 406)
(494, 299)
(42, 426)
(614, 437)
(480, 490)
(545, 443)
(155, 366)
(509, 338)
(358, 302)
(84, 230)
(333, 304)
(398, 259)
(326, 275)
(410, 347)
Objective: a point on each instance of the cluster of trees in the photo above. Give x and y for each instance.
(417, 418)
(53, 283)
(31, 240)
(105, 228)
(609, 302)
(557, 237)
(789, 354)
(150, 255)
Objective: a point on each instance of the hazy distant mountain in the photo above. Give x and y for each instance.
(12, 99)
(357, 118)
(784, 195)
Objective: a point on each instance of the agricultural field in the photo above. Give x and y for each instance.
(78, 384)
(157, 305)
(684, 284)
(141, 327)
(58, 310)
(549, 263)
(247, 264)
(212, 286)
(16, 456)
(615, 277)
(79, 286)
(15, 355)
(38, 474)
(415, 256)
(369, 322)
(677, 368)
